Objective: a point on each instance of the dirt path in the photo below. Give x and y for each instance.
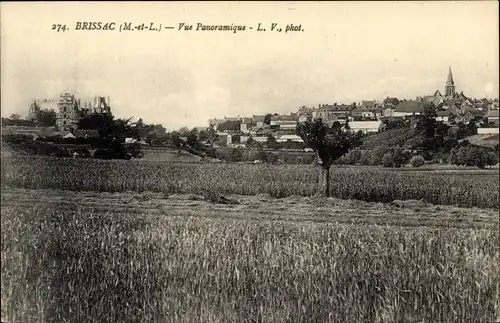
(260, 208)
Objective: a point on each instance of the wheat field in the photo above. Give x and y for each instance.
(137, 242)
(461, 188)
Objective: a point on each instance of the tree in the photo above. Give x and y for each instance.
(236, 139)
(203, 135)
(175, 139)
(184, 132)
(192, 137)
(271, 142)
(237, 155)
(46, 118)
(229, 126)
(267, 119)
(417, 161)
(328, 145)
(352, 157)
(15, 116)
(101, 122)
(388, 160)
(250, 142)
(426, 122)
(395, 124)
(492, 158)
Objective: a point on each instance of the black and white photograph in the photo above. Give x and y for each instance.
(250, 161)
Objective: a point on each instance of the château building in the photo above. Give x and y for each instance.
(69, 109)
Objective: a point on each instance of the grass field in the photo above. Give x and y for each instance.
(467, 189)
(151, 257)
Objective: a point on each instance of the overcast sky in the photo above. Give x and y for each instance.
(347, 52)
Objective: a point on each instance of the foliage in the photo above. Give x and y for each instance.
(353, 157)
(417, 161)
(267, 119)
(46, 118)
(472, 155)
(328, 143)
(395, 123)
(271, 142)
(237, 155)
(229, 126)
(388, 138)
(17, 122)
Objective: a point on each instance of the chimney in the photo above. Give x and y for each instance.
(109, 100)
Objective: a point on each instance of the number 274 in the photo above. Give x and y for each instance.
(59, 27)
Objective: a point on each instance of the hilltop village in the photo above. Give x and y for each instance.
(366, 116)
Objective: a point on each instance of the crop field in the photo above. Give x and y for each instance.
(467, 189)
(113, 241)
(150, 257)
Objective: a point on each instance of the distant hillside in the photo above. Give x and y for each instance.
(389, 138)
(484, 140)
(170, 154)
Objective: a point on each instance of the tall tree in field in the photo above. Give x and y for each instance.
(328, 144)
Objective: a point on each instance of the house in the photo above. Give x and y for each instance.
(492, 116)
(330, 113)
(215, 123)
(293, 138)
(260, 138)
(368, 104)
(230, 119)
(245, 124)
(288, 125)
(366, 126)
(224, 137)
(451, 107)
(305, 117)
(362, 113)
(303, 110)
(493, 106)
(66, 134)
(388, 111)
(487, 131)
(466, 106)
(436, 98)
(130, 140)
(259, 120)
(479, 104)
(409, 108)
(443, 116)
(275, 120)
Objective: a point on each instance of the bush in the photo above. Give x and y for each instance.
(237, 155)
(471, 155)
(417, 161)
(352, 157)
(376, 155)
(388, 160)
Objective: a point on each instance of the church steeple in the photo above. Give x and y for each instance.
(449, 89)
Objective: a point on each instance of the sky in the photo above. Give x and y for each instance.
(345, 52)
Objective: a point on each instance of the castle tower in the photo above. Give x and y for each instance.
(449, 89)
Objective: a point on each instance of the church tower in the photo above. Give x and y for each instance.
(449, 89)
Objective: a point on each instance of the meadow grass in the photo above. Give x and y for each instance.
(73, 265)
(470, 189)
